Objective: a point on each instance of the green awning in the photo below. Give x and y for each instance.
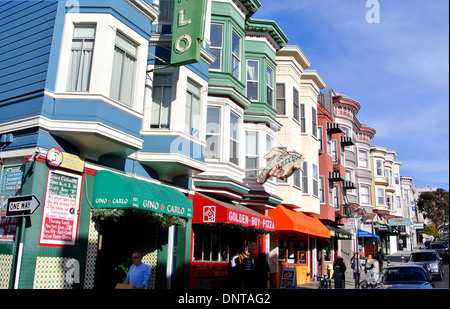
(113, 190)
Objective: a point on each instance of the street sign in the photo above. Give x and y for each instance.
(22, 206)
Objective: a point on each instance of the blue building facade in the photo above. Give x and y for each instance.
(80, 87)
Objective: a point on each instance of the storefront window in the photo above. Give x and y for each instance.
(292, 250)
(215, 245)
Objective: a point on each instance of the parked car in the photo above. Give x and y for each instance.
(430, 260)
(404, 277)
(441, 247)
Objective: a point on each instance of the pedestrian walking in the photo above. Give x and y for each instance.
(261, 274)
(357, 267)
(339, 273)
(380, 257)
(372, 269)
(247, 269)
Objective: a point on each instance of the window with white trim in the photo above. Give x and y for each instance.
(295, 104)
(362, 158)
(379, 168)
(192, 111)
(253, 80)
(216, 47)
(320, 137)
(315, 179)
(212, 150)
(251, 154)
(380, 197)
(281, 99)
(336, 199)
(364, 192)
(322, 189)
(269, 86)
(161, 101)
(305, 178)
(314, 121)
(234, 138)
(124, 65)
(236, 43)
(81, 58)
(302, 118)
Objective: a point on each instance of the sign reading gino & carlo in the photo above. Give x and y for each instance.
(188, 31)
(113, 190)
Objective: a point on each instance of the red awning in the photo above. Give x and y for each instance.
(209, 210)
(287, 219)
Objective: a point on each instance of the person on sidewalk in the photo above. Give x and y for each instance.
(357, 267)
(380, 257)
(139, 272)
(339, 273)
(372, 269)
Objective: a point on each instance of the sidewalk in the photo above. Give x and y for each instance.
(394, 259)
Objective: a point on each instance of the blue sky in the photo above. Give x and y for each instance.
(397, 69)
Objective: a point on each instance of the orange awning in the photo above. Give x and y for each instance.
(290, 220)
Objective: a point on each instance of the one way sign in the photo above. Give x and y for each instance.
(22, 206)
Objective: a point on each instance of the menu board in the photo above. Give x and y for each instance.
(11, 184)
(59, 225)
(288, 278)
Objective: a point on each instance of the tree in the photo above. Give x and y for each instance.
(434, 206)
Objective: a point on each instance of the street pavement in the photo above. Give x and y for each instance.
(394, 259)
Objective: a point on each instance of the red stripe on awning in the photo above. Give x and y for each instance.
(209, 210)
(289, 220)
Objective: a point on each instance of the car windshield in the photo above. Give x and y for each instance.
(423, 257)
(437, 246)
(404, 274)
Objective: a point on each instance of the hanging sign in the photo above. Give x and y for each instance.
(187, 31)
(60, 215)
(57, 158)
(282, 164)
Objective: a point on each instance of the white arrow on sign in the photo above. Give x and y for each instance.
(20, 206)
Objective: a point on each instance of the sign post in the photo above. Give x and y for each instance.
(22, 206)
